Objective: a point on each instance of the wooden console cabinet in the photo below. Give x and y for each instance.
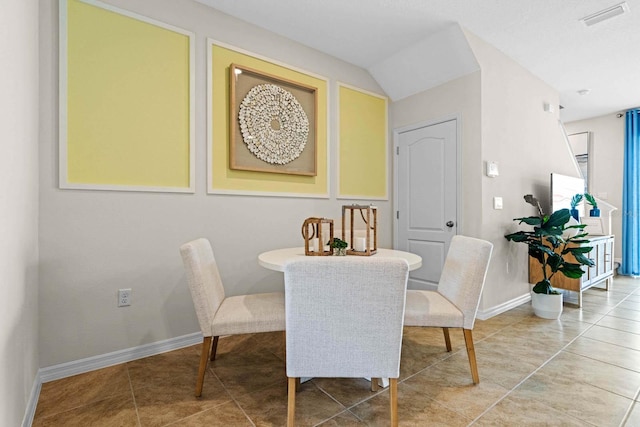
(602, 255)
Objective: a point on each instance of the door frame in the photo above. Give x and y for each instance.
(396, 138)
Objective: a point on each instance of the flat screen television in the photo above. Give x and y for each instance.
(563, 188)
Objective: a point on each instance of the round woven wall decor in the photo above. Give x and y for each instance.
(273, 124)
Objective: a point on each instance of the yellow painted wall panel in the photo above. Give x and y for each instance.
(128, 101)
(225, 179)
(363, 144)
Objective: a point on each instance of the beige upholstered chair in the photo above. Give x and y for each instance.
(344, 319)
(455, 303)
(219, 315)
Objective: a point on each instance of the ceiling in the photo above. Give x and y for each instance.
(545, 36)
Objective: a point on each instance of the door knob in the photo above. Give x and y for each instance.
(450, 224)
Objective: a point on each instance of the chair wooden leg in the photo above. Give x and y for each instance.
(214, 348)
(374, 384)
(447, 339)
(204, 355)
(471, 352)
(393, 401)
(291, 404)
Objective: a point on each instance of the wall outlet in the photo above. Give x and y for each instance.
(124, 297)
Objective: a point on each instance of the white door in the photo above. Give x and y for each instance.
(426, 171)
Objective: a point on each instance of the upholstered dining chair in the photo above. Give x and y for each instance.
(221, 315)
(455, 302)
(344, 319)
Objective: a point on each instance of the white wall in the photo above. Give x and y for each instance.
(18, 206)
(528, 145)
(93, 243)
(459, 97)
(502, 120)
(607, 159)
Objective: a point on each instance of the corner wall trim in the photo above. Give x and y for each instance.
(506, 306)
(63, 370)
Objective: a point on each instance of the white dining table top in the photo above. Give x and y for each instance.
(276, 259)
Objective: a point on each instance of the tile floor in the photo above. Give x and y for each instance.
(581, 370)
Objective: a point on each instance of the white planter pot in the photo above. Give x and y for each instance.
(547, 306)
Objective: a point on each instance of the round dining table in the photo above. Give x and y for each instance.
(276, 259)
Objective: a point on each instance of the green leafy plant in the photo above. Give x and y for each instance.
(338, 243)
(549, 244)
(575, 200)
(591, 200)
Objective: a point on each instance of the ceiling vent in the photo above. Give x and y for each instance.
(605, 14)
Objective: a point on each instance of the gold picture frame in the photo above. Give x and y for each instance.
(299, 158)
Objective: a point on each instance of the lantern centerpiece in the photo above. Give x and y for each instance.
(360, 217)
(316, 241)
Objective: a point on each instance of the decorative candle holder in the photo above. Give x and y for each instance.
(368, 215)
(314, 240)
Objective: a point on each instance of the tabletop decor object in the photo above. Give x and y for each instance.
(595, 212)
(557, 249)
(575, 201)
(363, 217)
(339, 246)
(314, 239)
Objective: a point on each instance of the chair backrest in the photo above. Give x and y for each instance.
(204, 281)
(464, 273)
(344, 316)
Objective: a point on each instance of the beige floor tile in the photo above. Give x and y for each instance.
(343, 419)
(113, 411)
(455, 390)
(78, 390)
(423, 348)
(620, 324)
(633, 298)
(520, 411)
(614, 336)
(414, 409)
(581, 315)
(579, 400)
(163, 404)
(625, 314)
(347, 391)
(629, 305)
(228, 414)
(553, 372)
(268, 407)
(608, 353)
(575, 369)
(173, 369)
(633, 418)
(241, 372)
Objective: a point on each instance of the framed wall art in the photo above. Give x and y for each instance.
(232, 168)
(273, 123)
(126, 101)
(363, 146)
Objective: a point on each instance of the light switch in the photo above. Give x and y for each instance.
(492, 169)
(497, 203)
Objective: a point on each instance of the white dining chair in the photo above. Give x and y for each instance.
(344, 319)
(220, 315)
(455, 302)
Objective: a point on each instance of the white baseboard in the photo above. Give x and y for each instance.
(506, 306)
(30, 412)
(63, 370)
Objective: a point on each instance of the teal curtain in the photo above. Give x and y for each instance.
(631, 197)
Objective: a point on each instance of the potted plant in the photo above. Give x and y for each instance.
(339, 245)
(575, 201)
(550, 242)
(594, 205)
